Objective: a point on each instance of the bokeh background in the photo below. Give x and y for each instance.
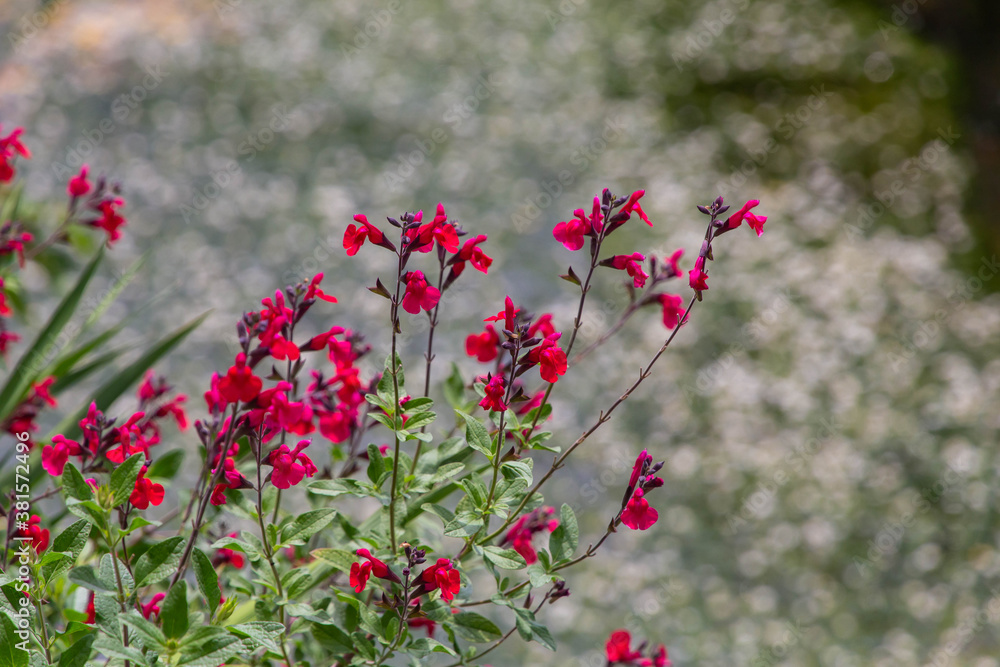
(829, 418)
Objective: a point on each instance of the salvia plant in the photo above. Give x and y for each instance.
(267, 558)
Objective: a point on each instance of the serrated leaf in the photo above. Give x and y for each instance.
(506, 559)
(72, 541)
(339, 558)
(111, 646)
(159, 561)
(10, 655)
(476, 434)
(424, 646)
(212, 653)
(475, 627)
(151, 635)
(207, 578)
(538, 576)
(123, 478)
(463, 525)
(306, 525)
(265, 634)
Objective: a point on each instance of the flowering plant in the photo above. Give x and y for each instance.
(368, 552)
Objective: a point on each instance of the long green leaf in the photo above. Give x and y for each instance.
(127, 377)
(28, 368)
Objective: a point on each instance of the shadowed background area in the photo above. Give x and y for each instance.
(829, 417)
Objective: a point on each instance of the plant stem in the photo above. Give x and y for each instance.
(268, 553)
(396, 418)
(121, 588)
(45, 634)
(429, 356)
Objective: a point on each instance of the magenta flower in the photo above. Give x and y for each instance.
(290, 466)
(471, 252)
(55, 456)
(507, 315)
(673, 309)
(419, 295)
(672, 262)
(638, 515)
(483, 346)
(631, 264)
(494, 395)
(79, 185)
(697, 277)
(572, 233)
(240, 384)
(355, 237)
(755, 222)
(633, 205)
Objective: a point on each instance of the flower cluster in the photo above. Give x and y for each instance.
(10, 148)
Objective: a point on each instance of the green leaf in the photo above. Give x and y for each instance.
(74, 484)
(72, 540)
(212, 653)
(566, 537)
(295, 582)
(538, 576)
(454, 388)
(166, 466)
(463, 525)
(111, 646)
(306, 525)
(263, 634)
(65, 365)
(421, 648)
(477, 435)
(370, 621)
(123, 478)
(174, 611)
(339, 558)
(506, 559)
(86, 576)
(476, 489)
(127, 377)
(89, 511)
(151, 635)
(420, 419)
(10, 654)
(376, 464)
(208, 579)
(77, 654)
(475, 628)
(339, 487)
(159, 561)
(33, 361)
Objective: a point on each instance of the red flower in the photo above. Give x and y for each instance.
(146, 493)
(290, 466)
(520, 534)
(571, 234)
(658, 659)
(640, 461)
(240, 384)
(418, 293)
(89, 427)
(336, 425)
(672, 262)
(4, 308)
(542, 327)
(633, 205)
(282, 349)
(471, 252)
(313, 291)
(292, 416)
(638, 515)
(124, 436)
(442, 575)
(233, 479)
(494, 395)
(40, 390)
(6, 338)
(422, 622)
(151, 607)
(483, 346)
(55, 456)
(360, 572)
(10, 145)
(631, 265)
(38, 536)
(507, 315)
(673, 309)
(110, 220)
(755, 222)
(91, 610)
(79, 185)
(14, 242)
(550, 357)
(355, 237)
(697, 276)
(618, 647)
(437, 230)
